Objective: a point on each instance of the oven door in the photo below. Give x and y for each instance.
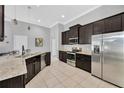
(71, 59)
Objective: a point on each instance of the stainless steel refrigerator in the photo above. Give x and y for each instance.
(108, 57)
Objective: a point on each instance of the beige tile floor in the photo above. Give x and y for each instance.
(62, 75)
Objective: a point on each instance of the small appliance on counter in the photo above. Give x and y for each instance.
(71, 56)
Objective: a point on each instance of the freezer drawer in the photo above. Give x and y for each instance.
(113, 58)
(96, 55)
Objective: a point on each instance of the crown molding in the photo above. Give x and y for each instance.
(82, 14)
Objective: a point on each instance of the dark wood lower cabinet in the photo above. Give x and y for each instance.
(83, 62)
(48, 58)
(63, 56)
(16, 82)
(33, 67)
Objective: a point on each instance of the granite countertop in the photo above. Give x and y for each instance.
(33, 55)
(85, 53)
(12, 66)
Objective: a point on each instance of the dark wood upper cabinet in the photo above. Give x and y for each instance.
(123, 22)
(73, 33)
(98, 27)
(1, 22)
(85, 33)
(65, 37)
(113, 24)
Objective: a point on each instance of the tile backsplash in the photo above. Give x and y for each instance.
(85, 48)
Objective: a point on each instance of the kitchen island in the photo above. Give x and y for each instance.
(14, 70)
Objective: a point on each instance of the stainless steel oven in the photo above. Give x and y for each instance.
(71, 58)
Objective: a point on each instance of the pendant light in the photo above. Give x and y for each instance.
(15, 19)
(29, 8)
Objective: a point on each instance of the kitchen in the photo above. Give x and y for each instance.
(84, 44)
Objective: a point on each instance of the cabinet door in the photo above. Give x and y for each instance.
(85, 34)
(73, 33)
(98, 27)
(67, 37)
(63, 38)
(123, 22)
(30, 69)
(64, 57)
(15, 82)
(60, 55)
(113, 24)
(48, 58)
(83, 62)
(1, 22)
(37, 62)
(37, 67)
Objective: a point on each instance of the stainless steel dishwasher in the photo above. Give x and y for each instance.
(43, 64)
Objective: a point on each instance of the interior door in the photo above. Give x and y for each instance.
(113, 58)
(96, 55)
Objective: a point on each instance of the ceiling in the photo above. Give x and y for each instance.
(47, 15)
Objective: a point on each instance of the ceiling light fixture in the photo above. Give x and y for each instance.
(62, 16)
(38, 20)
(15, 19)
(37, 5)
(29, 8)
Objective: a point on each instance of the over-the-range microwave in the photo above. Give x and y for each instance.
(73, 40)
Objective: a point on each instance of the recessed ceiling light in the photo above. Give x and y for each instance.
(37, 5)
(62, 16)
(38, 20)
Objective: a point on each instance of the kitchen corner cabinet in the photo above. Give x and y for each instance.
(1, 23)
(98, 27)
(113, 24)
(123, 22)
(48, 59)
(63, 56)
(85, 33)
(83, 62)
(16, 82)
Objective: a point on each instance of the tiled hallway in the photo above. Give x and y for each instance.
(61, 75)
